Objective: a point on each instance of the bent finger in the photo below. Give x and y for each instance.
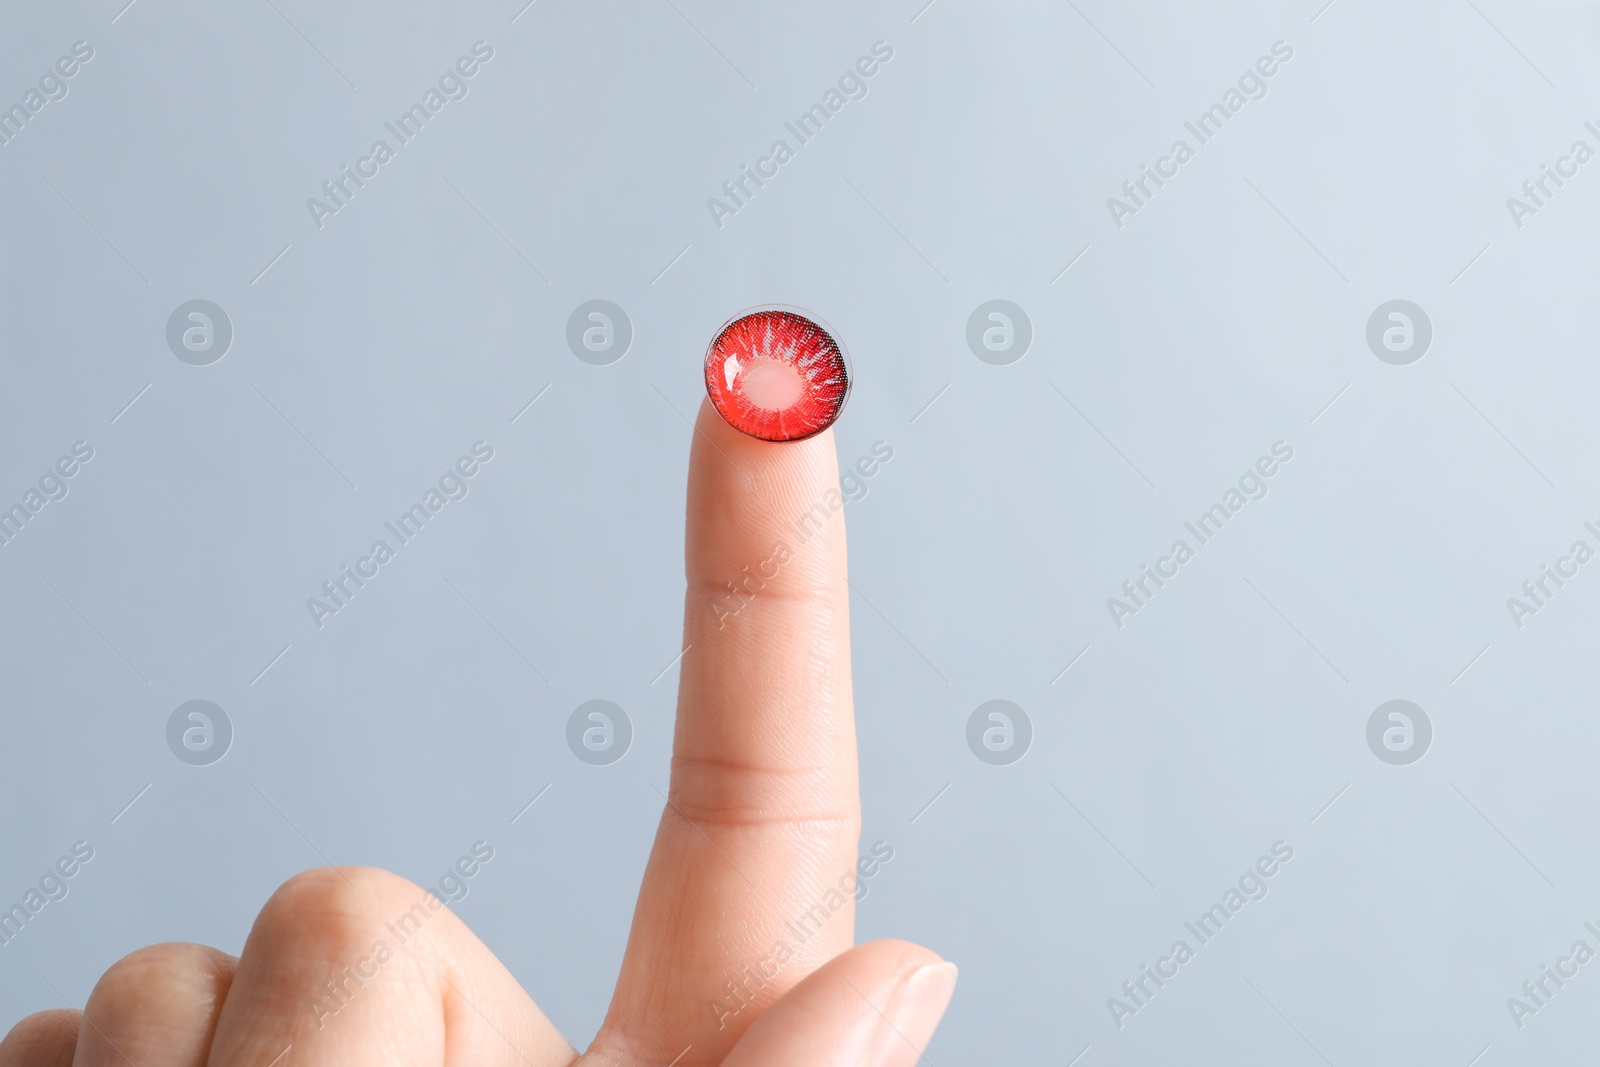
(45, 1039)
(157, 1005)
(357, 967)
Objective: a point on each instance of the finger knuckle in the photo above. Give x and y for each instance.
(709, 790)
(334, 906)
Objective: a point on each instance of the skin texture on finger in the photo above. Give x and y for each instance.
(157, 1005)
(46, 1039)
(355, 966)
(750, 885)
(875, 1006)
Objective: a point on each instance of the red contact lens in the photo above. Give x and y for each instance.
(776, 375)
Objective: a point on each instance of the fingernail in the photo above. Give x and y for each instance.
(911, 1016)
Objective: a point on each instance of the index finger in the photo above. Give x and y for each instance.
(751, 879)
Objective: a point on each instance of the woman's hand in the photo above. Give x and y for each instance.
(760, 824)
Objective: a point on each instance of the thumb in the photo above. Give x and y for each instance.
(875, 1005)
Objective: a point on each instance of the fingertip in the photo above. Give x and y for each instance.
(750, 499)
(729, 440)
(901, 957)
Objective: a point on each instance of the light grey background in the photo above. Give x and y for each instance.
(1224, 316)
